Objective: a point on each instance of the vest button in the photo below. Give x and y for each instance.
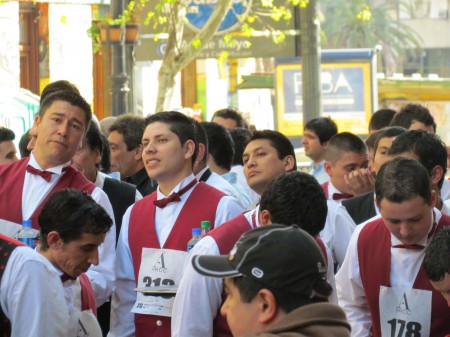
(158, 322)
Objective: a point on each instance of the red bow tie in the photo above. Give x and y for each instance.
(46, 175)
(340, 196)
(414, 246)
(161, 203)
(65, 277)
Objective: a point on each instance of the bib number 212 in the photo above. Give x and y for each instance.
(401, 328)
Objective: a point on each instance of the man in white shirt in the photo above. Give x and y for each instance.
(316, 134)
(73, 226)
(382, 285)
(152, 245)
(31, 293)
(61, 125)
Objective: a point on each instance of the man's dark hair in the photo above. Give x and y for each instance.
(241, 137)
(372, 139)
(343, 142)
(182, 125)
(388, 132)
(296, 198)
(61, 85)
(70, 97)
(427, 146)
(230, 113)
(279, 142)
(413, 112)
(6, 134)
(437, 256)
(248, 288)
(402, 179)
(72, 213)
(323, 127)
(97, 141)
(23, 143)
(131, 127)
(220, 144)
(202, 138)
(380, 119)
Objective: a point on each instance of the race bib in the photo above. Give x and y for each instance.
(159, 268)
(405, 312)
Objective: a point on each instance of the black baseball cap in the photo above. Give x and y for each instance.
(279, 257)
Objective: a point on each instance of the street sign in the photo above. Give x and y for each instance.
(199, 12)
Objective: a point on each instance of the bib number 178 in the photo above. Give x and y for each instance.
(401, 328)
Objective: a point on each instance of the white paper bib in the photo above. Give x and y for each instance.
(405, 312)
(159, 267)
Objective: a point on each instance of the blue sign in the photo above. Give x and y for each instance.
(342, 90)
(199, 11)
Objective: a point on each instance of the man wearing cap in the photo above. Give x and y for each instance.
(281, 296)
(382, 285)
(291, 198)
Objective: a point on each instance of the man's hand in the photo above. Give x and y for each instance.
(360, 181)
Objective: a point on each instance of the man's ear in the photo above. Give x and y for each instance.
(200, 153)
(54, 240)
(289, 163)
(436, 174)
(138, 152)
(327, 166)
(264, 217)
(267, 306)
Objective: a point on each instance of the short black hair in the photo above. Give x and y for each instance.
(296, 198)
(388, 132)
(241, 137)
(220, 144)
(278, 141)
(402, 179)
(23, 143)
(60, 85)
(230, 113)
(183, 126)
(343, 142)
(427, 146)
(72, 213)
(70, 97)
(437, 256)
(131, 127)
(323, 127)
(380, 119)
(6, 134)
(248, 288)
(97, 141)
(413, 112)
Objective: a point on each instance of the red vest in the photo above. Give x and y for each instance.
(12, 177)
(87, 295)
(226, 237)
(201, 205)
(7, 245)
(375, 241)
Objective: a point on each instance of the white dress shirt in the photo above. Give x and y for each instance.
(199, 298)
(338, 229)
(231, 177)
(405, 264)
(124, 296)
(35, 189)
(319, 172)
(32, 296)
(239, 170)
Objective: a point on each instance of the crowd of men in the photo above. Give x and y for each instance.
(358, 246)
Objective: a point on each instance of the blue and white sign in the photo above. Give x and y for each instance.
(199, 11)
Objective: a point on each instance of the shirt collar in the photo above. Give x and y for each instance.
(55, 170)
